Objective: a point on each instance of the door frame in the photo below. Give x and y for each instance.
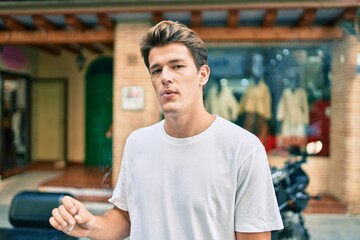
(65, 110)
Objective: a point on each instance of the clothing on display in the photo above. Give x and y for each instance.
(18, 127)
(256, 107)
(257, 99)
(293, 113)
(222, 102)
(256, 124)
(14, 103)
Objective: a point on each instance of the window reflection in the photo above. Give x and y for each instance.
(282, 93)
(13, 123)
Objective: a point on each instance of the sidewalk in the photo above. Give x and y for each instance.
(333, 226)
(321, 226)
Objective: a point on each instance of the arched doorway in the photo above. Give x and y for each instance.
(98, 112)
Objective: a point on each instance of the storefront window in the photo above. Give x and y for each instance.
(14, 124)
(281, 94)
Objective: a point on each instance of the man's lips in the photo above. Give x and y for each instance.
(168, 92)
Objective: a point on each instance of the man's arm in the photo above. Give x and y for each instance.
(114, 224)
(253, 236)
(75, 220)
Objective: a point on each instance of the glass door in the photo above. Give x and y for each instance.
(14, 123)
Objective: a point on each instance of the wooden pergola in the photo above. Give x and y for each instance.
(54, 26)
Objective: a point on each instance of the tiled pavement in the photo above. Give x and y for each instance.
(321, 226)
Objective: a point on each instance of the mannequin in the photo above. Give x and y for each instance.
(221, 100)
(256, 102)
(293, 114)
(256, 106)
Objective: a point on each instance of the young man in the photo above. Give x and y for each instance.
(191, 176)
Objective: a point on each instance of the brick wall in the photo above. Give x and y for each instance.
(317, 168)
(345, 124)
(129, 70)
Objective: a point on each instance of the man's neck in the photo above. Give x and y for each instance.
(182, 126)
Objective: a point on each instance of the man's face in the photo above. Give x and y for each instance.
(177, 82)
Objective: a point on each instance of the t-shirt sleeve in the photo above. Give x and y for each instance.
(256, 208)
(119, 197)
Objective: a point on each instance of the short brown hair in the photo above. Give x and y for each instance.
(167, 32)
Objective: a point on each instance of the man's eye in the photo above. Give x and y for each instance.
(156, 71)
(177, 66)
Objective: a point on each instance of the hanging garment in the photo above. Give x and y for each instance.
(222, 103)
(18, 130)
(257, 100)
(256, 107)
(293, 112)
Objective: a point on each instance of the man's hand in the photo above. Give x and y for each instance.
(72, 218)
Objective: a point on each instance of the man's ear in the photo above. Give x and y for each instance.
(204, 74)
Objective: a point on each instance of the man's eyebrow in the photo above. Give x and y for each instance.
(176, 60)
(154, 66)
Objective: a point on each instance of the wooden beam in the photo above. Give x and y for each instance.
(75, 49)
(12, 23)
(208, 34)
(269, 18)
(86, 7)
(43, 23)
(348, 14)
(157, 16)
(307, 18)
(49, 49)
(196, 19)
(108, 45)
(92, 48)
(56, 37)
(270, 34)
(233, 18)
(74, 22)
(105, 21)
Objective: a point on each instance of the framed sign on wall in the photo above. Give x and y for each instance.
(132, 98)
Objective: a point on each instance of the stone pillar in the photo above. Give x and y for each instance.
(130, 70)
(345, 123)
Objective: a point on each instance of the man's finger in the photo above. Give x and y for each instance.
(68, 217)
(71, 205)
(55, 224)
(58, 218)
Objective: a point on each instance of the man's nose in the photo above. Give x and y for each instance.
(166, 75)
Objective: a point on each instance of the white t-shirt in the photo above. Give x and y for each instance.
(203, 187)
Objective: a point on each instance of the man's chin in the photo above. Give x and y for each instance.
(169, 110)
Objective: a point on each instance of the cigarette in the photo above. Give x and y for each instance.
(71, 227)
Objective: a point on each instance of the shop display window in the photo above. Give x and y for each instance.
(14, 123)
(281, 94)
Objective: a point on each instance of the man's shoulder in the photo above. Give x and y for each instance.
(237, 134)
(233, 128)
(145, 131)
